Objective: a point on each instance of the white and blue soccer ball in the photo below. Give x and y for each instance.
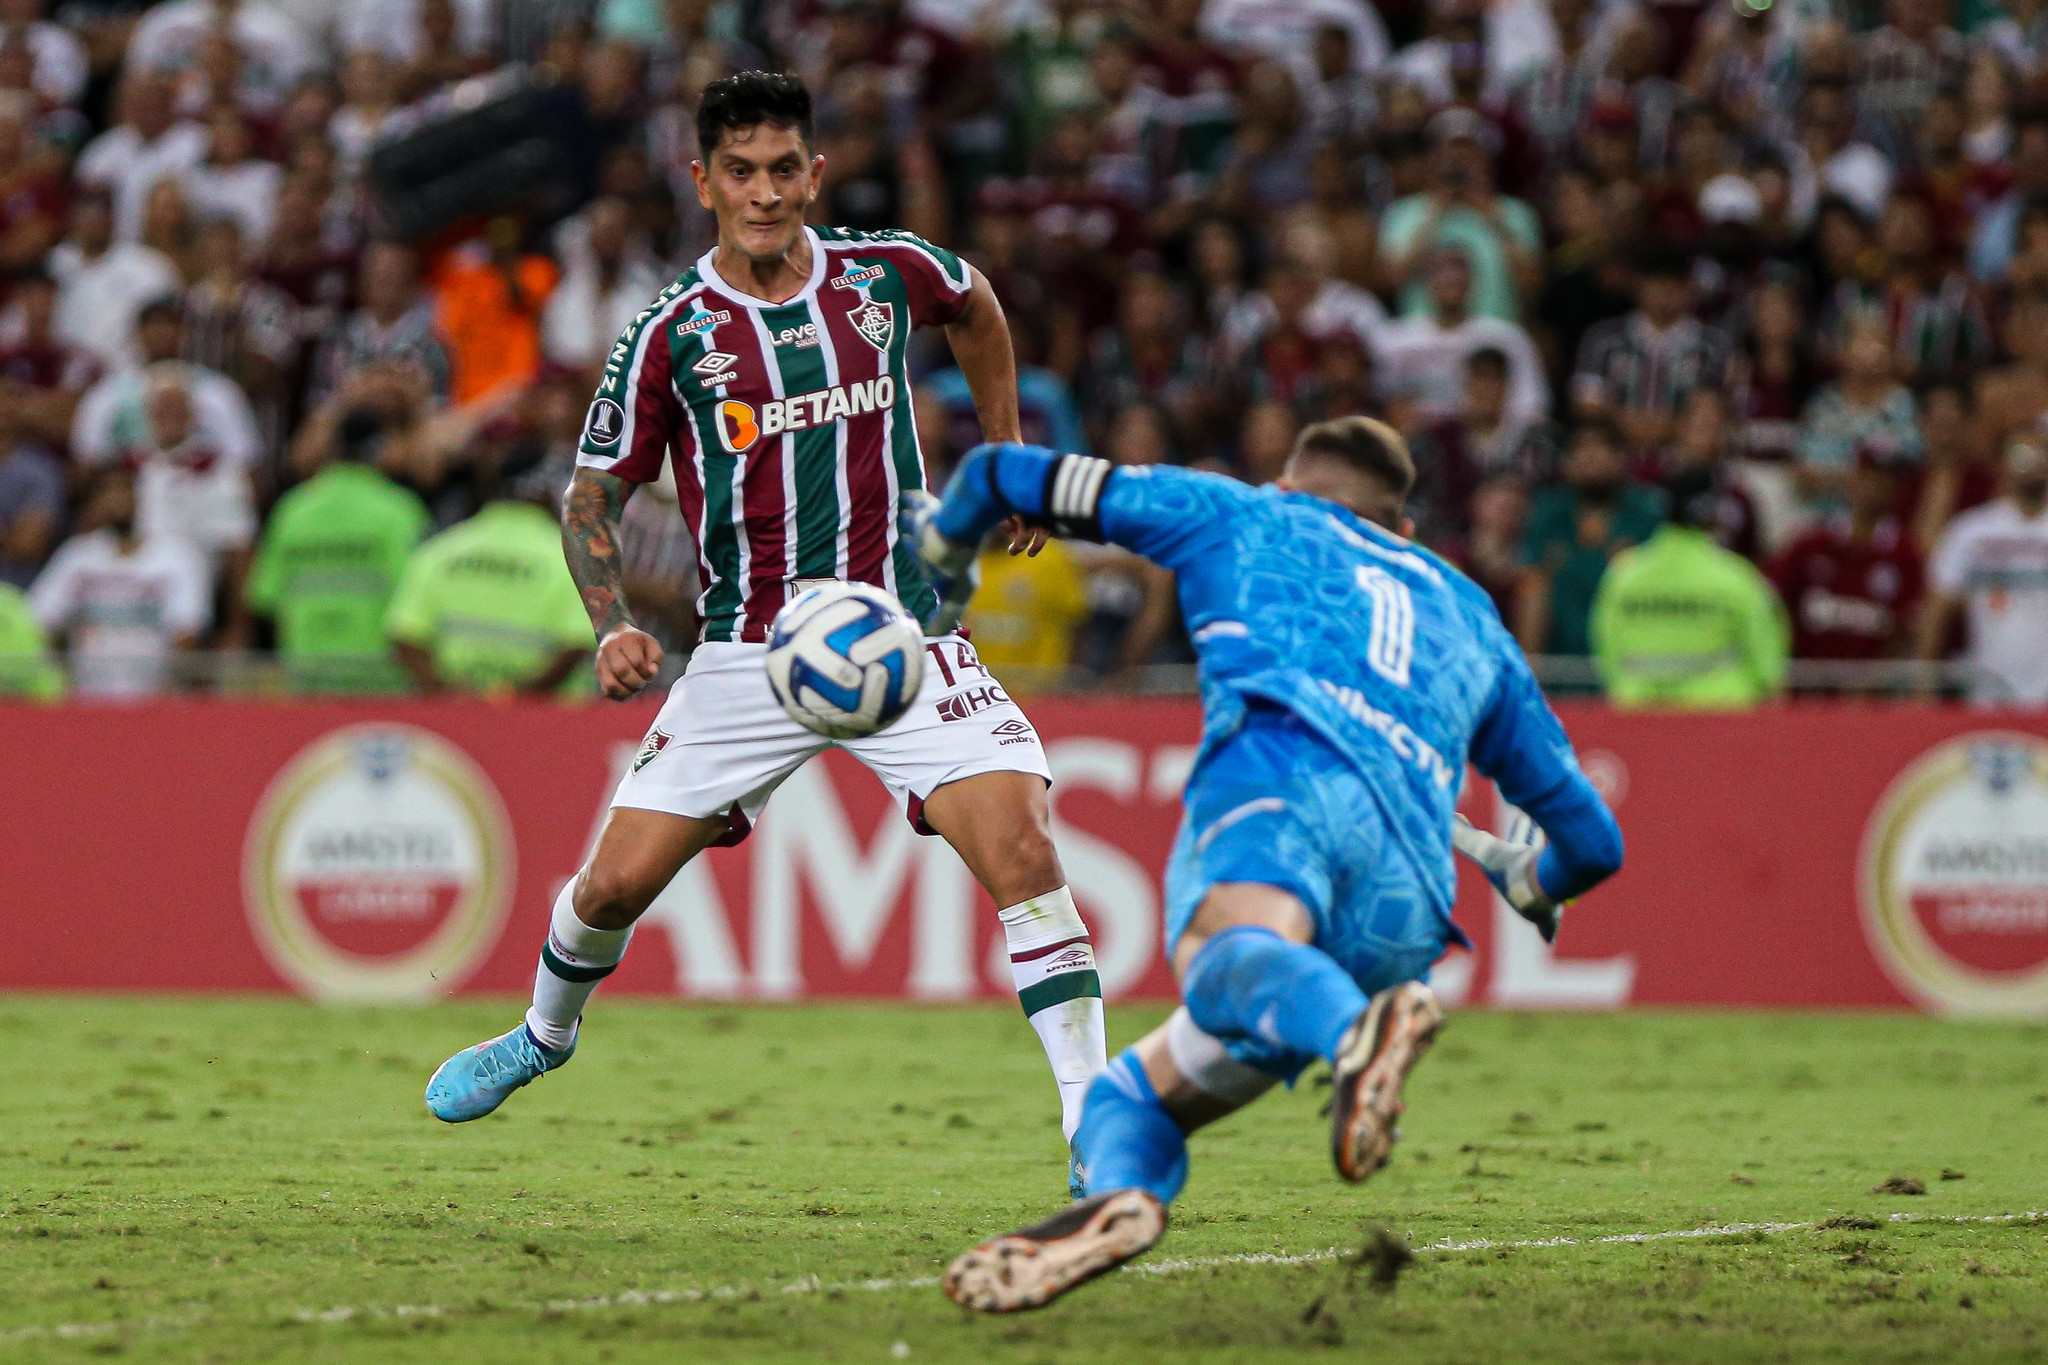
(845, 659)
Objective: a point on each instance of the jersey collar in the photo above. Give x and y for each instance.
(720, 284)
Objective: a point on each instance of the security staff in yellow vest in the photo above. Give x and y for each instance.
(1681, 622)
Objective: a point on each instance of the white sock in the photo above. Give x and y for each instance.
(573, 960)
(1052, 963)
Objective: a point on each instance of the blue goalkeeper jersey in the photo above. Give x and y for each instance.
(1391, 655)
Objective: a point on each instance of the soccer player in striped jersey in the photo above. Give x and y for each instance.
(771, 375)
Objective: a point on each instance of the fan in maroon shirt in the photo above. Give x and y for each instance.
(1852, 584)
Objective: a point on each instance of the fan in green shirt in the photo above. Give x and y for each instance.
(328, 563)
(1679, 621)
(488, 605)
(26, 668)
(1575, 528)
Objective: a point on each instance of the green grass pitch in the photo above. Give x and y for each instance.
(257, 1180)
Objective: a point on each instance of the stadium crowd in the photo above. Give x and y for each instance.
(1757, 299)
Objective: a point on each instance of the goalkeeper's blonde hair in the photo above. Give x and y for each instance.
(1367, 445)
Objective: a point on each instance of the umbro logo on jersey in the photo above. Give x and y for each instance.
(799, 337)
(715, 369)
(702, 321)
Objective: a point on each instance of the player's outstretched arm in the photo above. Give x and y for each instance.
(1171, 516)
(1523, 748)
(627, 657)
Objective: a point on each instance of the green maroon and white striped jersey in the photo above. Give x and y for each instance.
(789, 424)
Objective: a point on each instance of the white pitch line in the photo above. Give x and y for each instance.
(811, 1284)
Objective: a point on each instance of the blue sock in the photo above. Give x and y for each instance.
(1250, 982)
(1127, 1140)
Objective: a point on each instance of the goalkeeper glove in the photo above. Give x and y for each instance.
(953, 569)
(1510, 864)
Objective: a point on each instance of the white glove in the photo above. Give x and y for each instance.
(952, 569)
(1510, 865)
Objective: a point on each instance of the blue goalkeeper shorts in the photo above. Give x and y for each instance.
(1275, 804)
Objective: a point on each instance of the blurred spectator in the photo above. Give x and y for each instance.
(26, 668)
(1961, 471)
(1937, 322)
(1903, 64)
(488, 606)
(608, 276)
(1265, 441)
(328, 563)
(1493, 548)
(1638, 370)
(369, 93)
(59, 57)
(31, 503)
(1501, 236)
(192, 438)
(1681, 622)
(1426, 355)
(148, 145)
(42, 376)
(1852, 584)
(123, 604)
(393, 326)
(1867, 406)
(1773, 373)
(1575, 528)
(232, 182)
(1994, 560)
(1153, 355)
(1702, 444)
(103, 283)
(269, 53)
(1026, 611)
(240, 326)
(31, 198)
(2015, 396)
(488, 299)
(1995, 238)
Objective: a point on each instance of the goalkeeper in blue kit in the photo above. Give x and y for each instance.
(1348, 676)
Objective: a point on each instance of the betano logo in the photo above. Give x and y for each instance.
(739, 426)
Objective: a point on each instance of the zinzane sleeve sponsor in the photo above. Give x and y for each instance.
(635, 411)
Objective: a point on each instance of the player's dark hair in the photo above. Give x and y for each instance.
(749, 99)
(1368, 446)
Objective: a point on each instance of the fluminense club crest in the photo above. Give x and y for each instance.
(876, 322)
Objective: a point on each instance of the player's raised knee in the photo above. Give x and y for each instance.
(611, 895)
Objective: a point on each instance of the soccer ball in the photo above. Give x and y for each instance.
(845, 659)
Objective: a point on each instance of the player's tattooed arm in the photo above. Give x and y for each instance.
(627, 657)
(590, 540)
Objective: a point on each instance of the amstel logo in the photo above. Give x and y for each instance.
(379, 866)
(1954, 876)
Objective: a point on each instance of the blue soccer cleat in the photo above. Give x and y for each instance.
(1077, 1178)
(478, 1079)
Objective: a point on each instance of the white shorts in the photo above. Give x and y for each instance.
(722, 743)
